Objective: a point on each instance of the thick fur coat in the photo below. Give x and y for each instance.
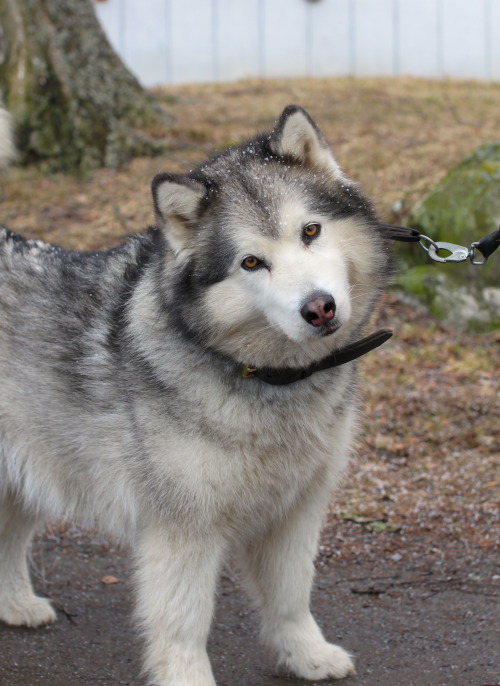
(122, 399)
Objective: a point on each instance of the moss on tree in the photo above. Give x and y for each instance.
(75, 104)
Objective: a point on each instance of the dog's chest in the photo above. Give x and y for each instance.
(243, 461)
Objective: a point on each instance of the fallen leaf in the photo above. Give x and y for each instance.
(356, 518)
(379, 527)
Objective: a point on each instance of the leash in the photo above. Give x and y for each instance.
(438, 251)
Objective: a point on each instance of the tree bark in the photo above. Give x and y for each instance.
(74, 103)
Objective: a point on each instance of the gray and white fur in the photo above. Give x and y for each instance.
(122, 400)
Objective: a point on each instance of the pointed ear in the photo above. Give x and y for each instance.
(177, 201)
(297, 136)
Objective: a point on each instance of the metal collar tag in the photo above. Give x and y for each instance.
(248, 372)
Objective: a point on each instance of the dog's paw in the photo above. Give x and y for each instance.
(303, 651)
(324, 661)
(29, 611)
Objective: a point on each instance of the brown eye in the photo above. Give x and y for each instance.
(311, 230)
(251, 262)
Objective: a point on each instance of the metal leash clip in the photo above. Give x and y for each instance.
(455, 253)
(473, 255)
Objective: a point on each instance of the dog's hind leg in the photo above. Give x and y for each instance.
(279, 571)
(18, 603)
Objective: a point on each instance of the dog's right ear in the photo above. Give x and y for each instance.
(177, 201)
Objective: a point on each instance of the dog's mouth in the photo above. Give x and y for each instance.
(329, 328)
(323, 331)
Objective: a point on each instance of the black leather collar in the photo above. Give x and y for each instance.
(282, 377)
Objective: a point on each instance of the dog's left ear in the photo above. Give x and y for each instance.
(297, 136)
(177, 201)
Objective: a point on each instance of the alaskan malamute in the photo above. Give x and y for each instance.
(187, 390)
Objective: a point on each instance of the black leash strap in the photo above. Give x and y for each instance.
(282, 377)
(489, 244)
(442, 251)
(400, 233)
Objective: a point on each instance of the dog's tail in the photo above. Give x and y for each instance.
(7, 148)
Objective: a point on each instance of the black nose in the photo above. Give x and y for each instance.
(319, 310)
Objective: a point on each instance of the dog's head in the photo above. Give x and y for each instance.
(277, 254)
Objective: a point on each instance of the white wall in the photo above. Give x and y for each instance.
(181, 41)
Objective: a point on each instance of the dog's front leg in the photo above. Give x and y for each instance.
(176, 577)
(279, 570)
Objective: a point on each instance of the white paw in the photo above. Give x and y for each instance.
(304, 652)
(324, 661)
(26, 611)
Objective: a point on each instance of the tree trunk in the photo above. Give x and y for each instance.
(74, 103)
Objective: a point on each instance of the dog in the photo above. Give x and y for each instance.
(193, 390)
